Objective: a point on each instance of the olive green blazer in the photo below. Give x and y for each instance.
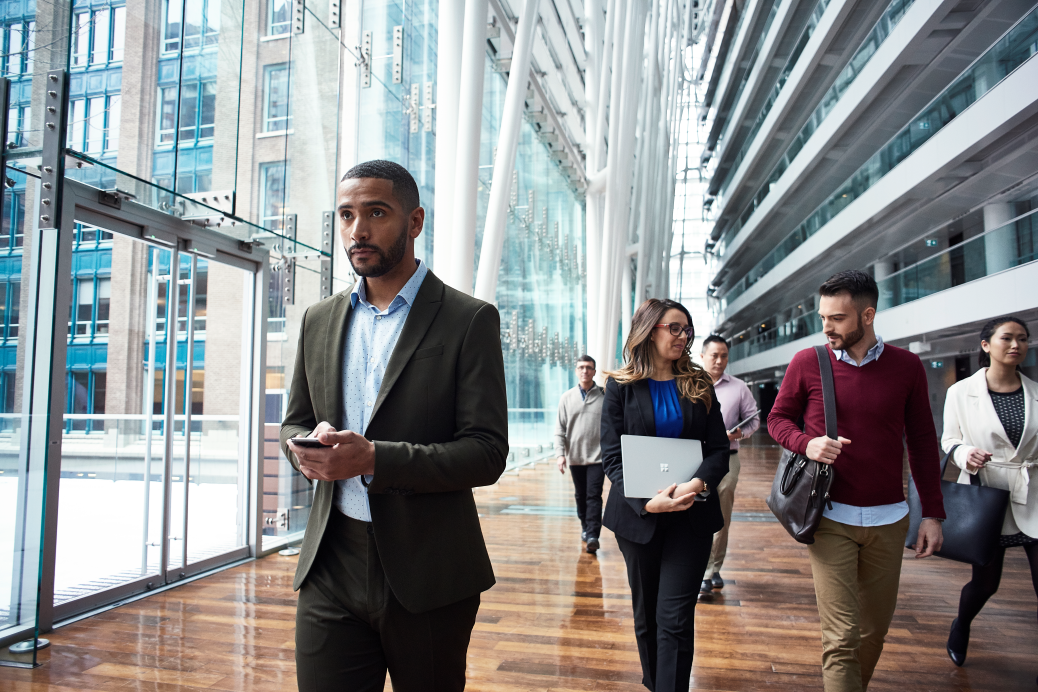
(440, 428)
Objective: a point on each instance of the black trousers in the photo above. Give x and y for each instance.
(587, 487)
(350, 628)
(665, 575)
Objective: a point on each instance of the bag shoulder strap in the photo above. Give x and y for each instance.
(828, 391)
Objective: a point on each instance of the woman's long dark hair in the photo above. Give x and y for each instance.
(989, 330)
(693, 382)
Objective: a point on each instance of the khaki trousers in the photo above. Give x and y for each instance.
(726, 494)
(856, 573)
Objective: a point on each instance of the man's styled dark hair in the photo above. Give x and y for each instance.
(404, 187)
(716, 339)
(587, 359)
(862, 287)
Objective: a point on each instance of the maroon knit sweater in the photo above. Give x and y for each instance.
(878, 407)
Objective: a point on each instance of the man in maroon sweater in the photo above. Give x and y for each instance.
(881, 401)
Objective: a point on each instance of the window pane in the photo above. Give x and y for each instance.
(118, 33)
(277, 115)
(114, 113)
(30, 47)
(208, 109)
(12, 322)
(274, 193)
(77, 124)
(188, 111)
(104, 299)
(81, 39)
(100, 389)
(279, 17)
(168, 116)
(212, 22)
(172, 41)
(193, 24)
(96, 125)
(100, 52)
(14, 50)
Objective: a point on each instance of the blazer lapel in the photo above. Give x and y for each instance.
(643, 396)
(336, 347)
(419, 319)
(1030, 411)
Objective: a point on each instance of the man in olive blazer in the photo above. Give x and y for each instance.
(400, 592)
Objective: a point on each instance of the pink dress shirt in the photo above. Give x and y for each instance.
(736, 404)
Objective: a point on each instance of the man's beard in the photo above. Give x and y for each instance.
(852, 338)
(387, 259)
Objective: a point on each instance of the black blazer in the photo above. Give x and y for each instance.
(627, 410)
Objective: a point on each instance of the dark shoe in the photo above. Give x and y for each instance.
(706, 591)
(592, 545)
(716, 581)
(583, 536)
(958, 642)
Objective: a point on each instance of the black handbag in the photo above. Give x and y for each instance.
(800, 490)
(975, 514)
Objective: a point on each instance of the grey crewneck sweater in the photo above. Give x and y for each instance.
(578, 428)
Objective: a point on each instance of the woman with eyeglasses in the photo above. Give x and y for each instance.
(665, 540)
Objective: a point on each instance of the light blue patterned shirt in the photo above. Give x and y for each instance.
(370, 340)
(880, 515)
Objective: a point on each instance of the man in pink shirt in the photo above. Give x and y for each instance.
(737, 404)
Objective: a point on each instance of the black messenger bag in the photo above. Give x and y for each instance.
(800, 490)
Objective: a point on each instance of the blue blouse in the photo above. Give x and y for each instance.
(666, 408)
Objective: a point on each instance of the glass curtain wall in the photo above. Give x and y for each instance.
(216, 91)
(541, 289)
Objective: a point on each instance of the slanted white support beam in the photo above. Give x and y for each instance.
(450, 22)
(507, 144)
(470, 121)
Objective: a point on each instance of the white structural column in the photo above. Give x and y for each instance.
(600, 50)
(450, 20)
(470, 120)
(504, 164)
(623, 121)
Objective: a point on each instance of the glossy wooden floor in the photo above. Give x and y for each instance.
(560, 619)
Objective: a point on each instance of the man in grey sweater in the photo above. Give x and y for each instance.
(577, 432)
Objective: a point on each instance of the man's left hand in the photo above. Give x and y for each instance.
(735, 434)
(347, 455)
(930, 539)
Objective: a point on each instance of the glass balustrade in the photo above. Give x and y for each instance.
(751, 61)
(1018, 45)
(1005, 247)
(868, 48)
(798, 49)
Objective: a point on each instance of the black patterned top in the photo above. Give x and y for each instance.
(1010, 410)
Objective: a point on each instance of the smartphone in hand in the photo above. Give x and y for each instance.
(309, 442)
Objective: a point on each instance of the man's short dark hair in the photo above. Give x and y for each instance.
(404, 187)
(716, 339)
(862, 287)
(587, 359)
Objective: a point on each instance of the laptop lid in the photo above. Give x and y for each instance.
(651, 464)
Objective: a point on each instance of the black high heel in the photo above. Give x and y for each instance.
(958, 642)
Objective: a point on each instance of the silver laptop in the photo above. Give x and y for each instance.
(652, 463)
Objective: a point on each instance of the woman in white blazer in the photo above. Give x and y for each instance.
(993, 417)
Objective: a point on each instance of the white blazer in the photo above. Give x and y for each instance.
(970, 420)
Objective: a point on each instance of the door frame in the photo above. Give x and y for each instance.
(50, 346)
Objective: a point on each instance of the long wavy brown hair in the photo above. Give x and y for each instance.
(693, 382)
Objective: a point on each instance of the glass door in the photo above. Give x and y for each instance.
(156, 460)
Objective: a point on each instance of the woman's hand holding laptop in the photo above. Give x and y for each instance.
(676, 498)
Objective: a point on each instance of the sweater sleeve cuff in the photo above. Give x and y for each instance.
(800, 443)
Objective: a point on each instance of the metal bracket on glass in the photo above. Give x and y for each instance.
(287, 268)
(327, 234)
(333, 14)
(411, 107)
(298, 13)
(365, 60)
(52, 165)
(398, 54)
(429, 106)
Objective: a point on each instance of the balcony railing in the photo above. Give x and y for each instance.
(1008, 246)
(1014, 48)
(868, 48)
